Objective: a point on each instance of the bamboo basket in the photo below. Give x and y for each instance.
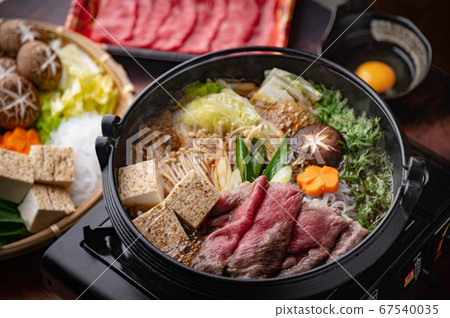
(125, 97)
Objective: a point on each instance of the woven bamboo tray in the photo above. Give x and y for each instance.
(125, 97)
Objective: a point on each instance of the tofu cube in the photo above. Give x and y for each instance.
(53, 165)
(45, 205)
(193, 198)
(141, 184)
(16, 175)
(160, 226)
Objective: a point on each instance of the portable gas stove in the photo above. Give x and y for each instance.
(91, 260)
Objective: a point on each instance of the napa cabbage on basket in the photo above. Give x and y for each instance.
(83, 87)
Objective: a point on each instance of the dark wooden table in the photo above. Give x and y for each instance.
(424, 115)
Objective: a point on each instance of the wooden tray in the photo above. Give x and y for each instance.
(125, 97)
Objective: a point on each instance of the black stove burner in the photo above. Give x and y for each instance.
(72, 265)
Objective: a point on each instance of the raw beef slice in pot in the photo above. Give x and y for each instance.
(313, 237)
(220, 245)
(118, 18)
(261, 251)
(228, 201)
(349, 238)
(231, 199)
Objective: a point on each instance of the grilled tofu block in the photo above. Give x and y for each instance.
(141, 184)
(45, 205)
(16, 175)
(160, 226)
(193, 198)
(53, 165)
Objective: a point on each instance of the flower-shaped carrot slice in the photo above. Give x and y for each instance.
(317, 180)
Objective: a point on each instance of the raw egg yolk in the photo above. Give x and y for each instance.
(378, 75)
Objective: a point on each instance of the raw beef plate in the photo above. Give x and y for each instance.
(188, 26)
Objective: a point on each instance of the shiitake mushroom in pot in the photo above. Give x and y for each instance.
(319, 144)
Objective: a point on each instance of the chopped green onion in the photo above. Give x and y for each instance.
(242, 158)
(257, 161)
(235, 179)
(284, 175)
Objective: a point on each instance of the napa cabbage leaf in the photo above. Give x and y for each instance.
(226, 106)
(83, 87)
(282, 84)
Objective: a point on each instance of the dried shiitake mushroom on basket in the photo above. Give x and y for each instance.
(19, 102)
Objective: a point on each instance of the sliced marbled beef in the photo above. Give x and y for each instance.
(262, 249)
(210, 14)
(177, 27)
(140, 34)
(237, 27)
(228, 201)
(117, 18)
(220, 245)
(213, 224)
(231, 199)
(349, 238)
(262, 32)
(313, 237)
(150, 16)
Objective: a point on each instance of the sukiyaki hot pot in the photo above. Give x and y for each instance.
(301, 185)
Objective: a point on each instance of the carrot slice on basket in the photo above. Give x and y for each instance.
(33, 137)
(16, 141)
(316, 180)
(19, 140)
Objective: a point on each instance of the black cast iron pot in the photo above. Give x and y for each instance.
(175, 280)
